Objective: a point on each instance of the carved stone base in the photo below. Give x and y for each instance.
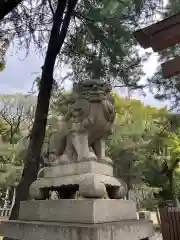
(91, 178)
(87, 166)
(90, 185)
(87, 219)
(78, 211)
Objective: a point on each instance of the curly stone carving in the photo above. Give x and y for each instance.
(88, 123)
(117, 192)
(90, 187)
(38, 193)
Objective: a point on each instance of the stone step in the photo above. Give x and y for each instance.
(78, 211)
(36, 230)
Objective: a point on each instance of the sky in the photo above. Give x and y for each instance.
(20, 72)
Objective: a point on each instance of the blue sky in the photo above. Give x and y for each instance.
(20, 72)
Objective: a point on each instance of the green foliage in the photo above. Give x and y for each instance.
(10, 164)
(60, 103)
(99, 41)
(16, 115)
(137, 146)
(16, 112)
(162, 159)
(2, 66)
(133, 128)
(4, 44)
(146, 146)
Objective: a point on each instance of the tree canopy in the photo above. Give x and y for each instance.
(145, 146)
(99, 40)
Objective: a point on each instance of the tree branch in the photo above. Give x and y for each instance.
(65, 24)
(6, 6)
(51, 7)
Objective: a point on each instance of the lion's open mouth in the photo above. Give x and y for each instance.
(94, 95)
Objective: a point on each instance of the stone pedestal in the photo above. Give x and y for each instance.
(87, 219)
(87, 211)
(81, 168)
(91, 218)
(92, 178)
(123, 230)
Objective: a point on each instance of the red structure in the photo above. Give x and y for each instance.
(160, 36)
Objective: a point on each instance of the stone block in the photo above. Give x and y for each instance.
(78, 211)
(123, 230)
(77, 169)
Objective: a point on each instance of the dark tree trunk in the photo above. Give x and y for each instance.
(32, 159)
(6, 6)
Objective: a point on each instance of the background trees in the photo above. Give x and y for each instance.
(16, 112)
(16, 115)
(144, 146)
(163, 157)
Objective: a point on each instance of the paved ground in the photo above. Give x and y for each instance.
(157, 236)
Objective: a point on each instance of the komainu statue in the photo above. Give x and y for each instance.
(87, 123)
(81, 165)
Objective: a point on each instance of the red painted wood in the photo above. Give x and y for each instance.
(166, 38)
(170, 223)
(171, 68)
(151, 35)
(160, 36)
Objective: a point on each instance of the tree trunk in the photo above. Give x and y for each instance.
(6, 6)
(32, 159)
